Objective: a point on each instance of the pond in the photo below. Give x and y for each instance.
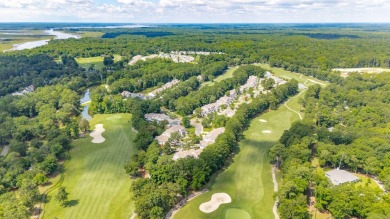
(85, 101)
(86, 97)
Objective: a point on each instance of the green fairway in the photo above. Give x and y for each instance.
(234, 213)
(86, 62)
(97, 61)
(227, 74)
(117, 58)
(94, 176)
(248, 179)
(289, 75)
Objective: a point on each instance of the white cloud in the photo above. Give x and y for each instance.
(196, 10)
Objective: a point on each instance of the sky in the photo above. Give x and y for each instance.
(196, 11)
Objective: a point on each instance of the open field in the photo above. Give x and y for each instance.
(345, 71)
(227, 74)
(248, 179)
(90, 34)
(94, 176)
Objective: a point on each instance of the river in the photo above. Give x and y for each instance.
(85, 101)
(33, 44)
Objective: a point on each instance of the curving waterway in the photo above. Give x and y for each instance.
(85, 101)
(33, 44)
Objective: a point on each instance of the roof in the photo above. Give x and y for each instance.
(164, 87)
(176, 128)
(162, 139)
(211, 136)
(187, 153)
(157, 116)
(338, 176)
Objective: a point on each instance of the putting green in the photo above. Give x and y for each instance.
(235, 213)
(98, 185)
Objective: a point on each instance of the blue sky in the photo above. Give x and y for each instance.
(196, 11)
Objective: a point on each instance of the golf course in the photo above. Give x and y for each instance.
(94, 176)
(97, 61)
(227, 74)
(248, 180)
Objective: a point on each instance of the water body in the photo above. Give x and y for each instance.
(85, 100)
(85, 114)
(86, 97)
(29, 45)
(108, 27)
(61, 35)
(33, 44)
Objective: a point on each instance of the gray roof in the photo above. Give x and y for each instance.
(338, 176)
(211, 137)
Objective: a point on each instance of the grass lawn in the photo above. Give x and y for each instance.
(86, 62)
(227, 74)
(235, 213)
(117, 58)
(248, 179)
(97, 61)
(6, 46)
(366, 181)
(94, 176)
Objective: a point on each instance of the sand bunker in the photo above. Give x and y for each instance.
(97, 134)
(216, 200)
(262, 120)
(267, 131)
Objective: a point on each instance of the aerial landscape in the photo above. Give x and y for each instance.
(159, 109)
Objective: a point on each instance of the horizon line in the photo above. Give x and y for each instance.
(97, 22)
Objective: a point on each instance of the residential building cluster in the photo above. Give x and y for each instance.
(26, 90)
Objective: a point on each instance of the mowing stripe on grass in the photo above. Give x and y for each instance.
(94, 177)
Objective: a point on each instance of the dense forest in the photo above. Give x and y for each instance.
(297, 50)
(346, 125)
(38, 127)
(18, 72)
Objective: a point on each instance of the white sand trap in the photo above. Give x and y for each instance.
(262, 120)
(216, 200)
(97, 134)
(267, 131)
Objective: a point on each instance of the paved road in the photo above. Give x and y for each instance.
(285, 104)
(198, 127)
(275, 208)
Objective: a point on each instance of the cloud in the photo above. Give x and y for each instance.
(160, 11)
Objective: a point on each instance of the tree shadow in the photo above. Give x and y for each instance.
(72, 203)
